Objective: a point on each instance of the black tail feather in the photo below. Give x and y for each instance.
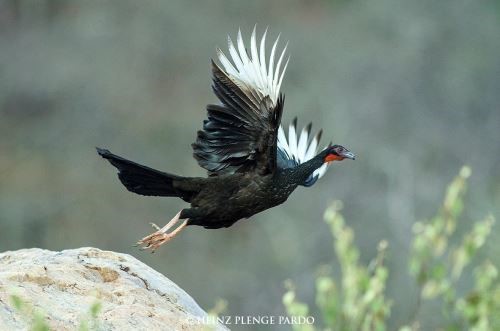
(144, 180)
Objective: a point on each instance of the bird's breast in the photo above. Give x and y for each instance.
(243, 197)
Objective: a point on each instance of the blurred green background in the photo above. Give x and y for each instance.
(412, 87)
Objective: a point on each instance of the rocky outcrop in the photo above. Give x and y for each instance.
(62, 286)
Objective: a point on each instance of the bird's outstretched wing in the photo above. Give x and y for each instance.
(240, 134)
(299, 149)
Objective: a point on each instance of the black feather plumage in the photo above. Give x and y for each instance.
(251, 165)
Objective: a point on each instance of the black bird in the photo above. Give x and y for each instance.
(251, 164)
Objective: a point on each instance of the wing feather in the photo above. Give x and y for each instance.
(241, 133)
(294, 151)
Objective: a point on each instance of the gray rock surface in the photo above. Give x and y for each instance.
(64, 285)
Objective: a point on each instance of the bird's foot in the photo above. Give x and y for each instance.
(161, 236)
(156, 227)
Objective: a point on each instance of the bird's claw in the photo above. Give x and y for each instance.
(161, 235)
(154, 240)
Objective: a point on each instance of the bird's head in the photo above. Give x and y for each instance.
(337, 153)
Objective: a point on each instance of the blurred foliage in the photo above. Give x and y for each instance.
(91, 321)
(219, 308)
(357, 301)
(37, 320)
(213, 314)
(34, 317)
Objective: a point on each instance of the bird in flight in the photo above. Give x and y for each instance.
(252, 165)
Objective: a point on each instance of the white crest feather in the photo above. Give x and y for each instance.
(301, 149)
(250, 71)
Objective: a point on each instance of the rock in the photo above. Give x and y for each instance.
(64, 286)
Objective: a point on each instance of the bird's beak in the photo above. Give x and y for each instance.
(348, 155)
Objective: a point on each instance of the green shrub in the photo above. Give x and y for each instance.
(37, 320)
(357, 300)
(34, 317)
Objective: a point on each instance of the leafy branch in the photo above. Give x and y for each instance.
(359, 301)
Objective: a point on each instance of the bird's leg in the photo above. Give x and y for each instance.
(161, 236)
(169, 224)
